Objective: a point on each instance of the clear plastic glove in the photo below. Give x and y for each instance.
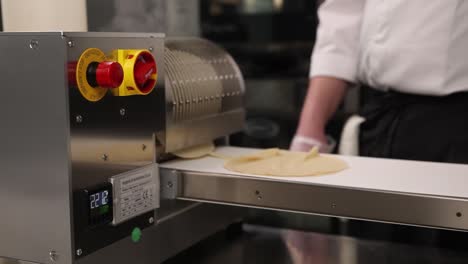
(305, 144)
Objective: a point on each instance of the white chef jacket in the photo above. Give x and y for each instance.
(412, 46)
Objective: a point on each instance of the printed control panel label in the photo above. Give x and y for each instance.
(136, 195)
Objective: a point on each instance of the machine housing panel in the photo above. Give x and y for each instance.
(35, 162)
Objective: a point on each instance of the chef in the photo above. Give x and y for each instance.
(411, 57)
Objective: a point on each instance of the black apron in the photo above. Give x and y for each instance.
(413, 127)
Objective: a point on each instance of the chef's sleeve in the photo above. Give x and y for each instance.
(336, 51)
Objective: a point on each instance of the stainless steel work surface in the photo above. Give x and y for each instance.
(426, 178)
(393, 191)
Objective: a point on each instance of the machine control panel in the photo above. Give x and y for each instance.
(111, 210)
(115, 89)
(124, 197)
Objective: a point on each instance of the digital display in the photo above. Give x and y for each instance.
(99, 199)
(94, 205)
(100, 205)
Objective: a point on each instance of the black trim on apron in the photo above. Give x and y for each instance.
(415, 127)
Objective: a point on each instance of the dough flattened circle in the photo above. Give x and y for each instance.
(275, 162)
(195, 152)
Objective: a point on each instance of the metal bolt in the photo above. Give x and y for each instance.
(122, 111)
(79, 252)
(53, 256)
(105, 157)
(34, 44)
(333, 205)
(169, 184)
(71, 44)
(257, 193)
(79, 119)
(150, 48)
(151, 220)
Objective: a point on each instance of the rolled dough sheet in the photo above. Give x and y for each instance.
(195, 152)
(275, 162)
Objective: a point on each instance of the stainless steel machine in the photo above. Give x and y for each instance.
(86, 119)
(89, 121)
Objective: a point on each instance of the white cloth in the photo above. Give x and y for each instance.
(349, 141)
(413, 46)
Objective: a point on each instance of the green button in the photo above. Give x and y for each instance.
(136, 234)
(104, 209)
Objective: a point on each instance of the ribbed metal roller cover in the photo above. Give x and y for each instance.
(202, 81)
(201, 76)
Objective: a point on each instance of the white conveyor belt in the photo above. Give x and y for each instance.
(396, 191)
(426, 178)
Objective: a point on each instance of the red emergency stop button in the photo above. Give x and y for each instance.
(106, 74)
(109, 74)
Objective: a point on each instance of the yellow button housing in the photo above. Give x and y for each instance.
(140, 72)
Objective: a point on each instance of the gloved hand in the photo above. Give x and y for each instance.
(305, 144)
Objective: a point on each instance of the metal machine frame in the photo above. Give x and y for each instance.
(404, 192)
(390, 207)
(54, 144)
